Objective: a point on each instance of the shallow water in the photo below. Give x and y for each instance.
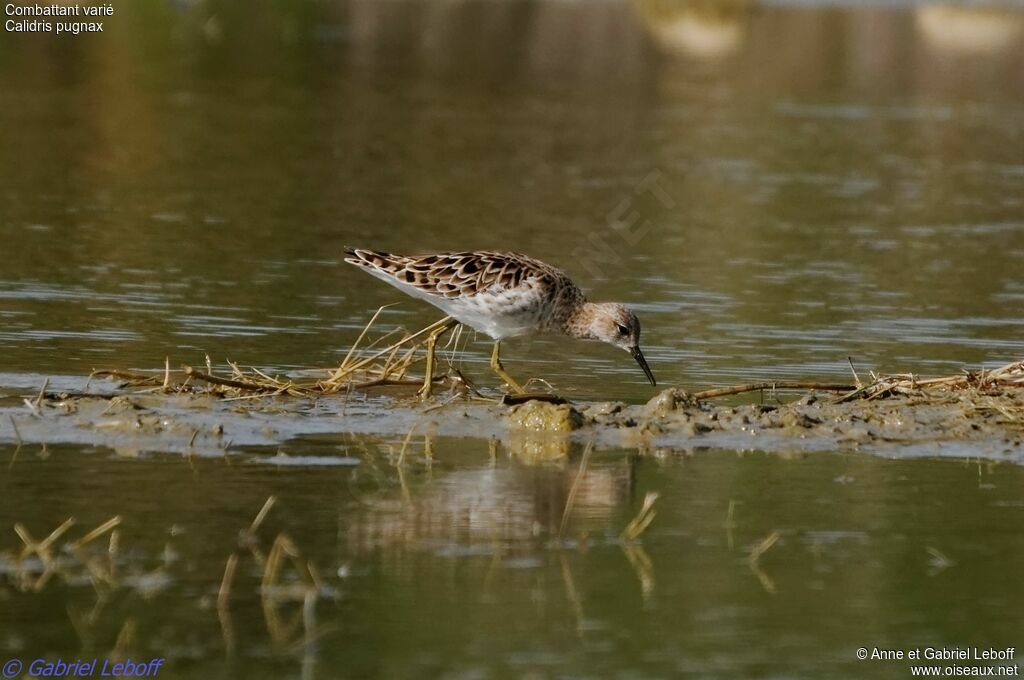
(802, 184)
(455, 567)
(857, 192)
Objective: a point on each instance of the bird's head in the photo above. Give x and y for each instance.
(615, 324)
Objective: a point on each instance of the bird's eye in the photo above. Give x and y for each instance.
(623, 330)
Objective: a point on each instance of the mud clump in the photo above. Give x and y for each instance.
(539, 416)
(539, 430)
(669, 401)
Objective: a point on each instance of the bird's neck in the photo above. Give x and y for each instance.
(577, 321)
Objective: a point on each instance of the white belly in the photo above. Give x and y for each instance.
(499, 313)
(498, 326)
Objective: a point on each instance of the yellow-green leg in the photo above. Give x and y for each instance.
(500, 370)
(428, 375)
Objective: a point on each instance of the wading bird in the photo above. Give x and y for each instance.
(504, 295)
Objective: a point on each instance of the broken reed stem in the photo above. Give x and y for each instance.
(226, 382)
(17, 435)
(571, 498)
(247, 539)
(224, 593)
(405, 446)
(262, 514)
(35, 404)
(41, 548)
(730, 523)
(403, 364)
(138, 378)
(775, 385)
(58, 532)
(366, 329)
(642, 520)
(114, 545)
(97, 532)
(124, 640)
(284, 546)
(762, 547)
(856, 378)
(241, 374)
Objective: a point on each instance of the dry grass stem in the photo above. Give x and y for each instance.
(1009, 376)
(856, 378)
(886, 385)
(41, 548)
(282, 548)
(261, 516)
(17, 434)
(124, 641)
(386, 360)
(571, 498)
(642, 520)
(405, 446)
(939, 561)
(97, 532)
(68, 561)
(762, 547)
(362, 334)
(224, 593)
(642, 566)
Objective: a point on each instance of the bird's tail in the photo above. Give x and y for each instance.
(375, 260)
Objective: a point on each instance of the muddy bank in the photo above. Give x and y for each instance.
(967, 422)
(981, 423)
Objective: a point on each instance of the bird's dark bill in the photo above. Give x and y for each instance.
(639, 356)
